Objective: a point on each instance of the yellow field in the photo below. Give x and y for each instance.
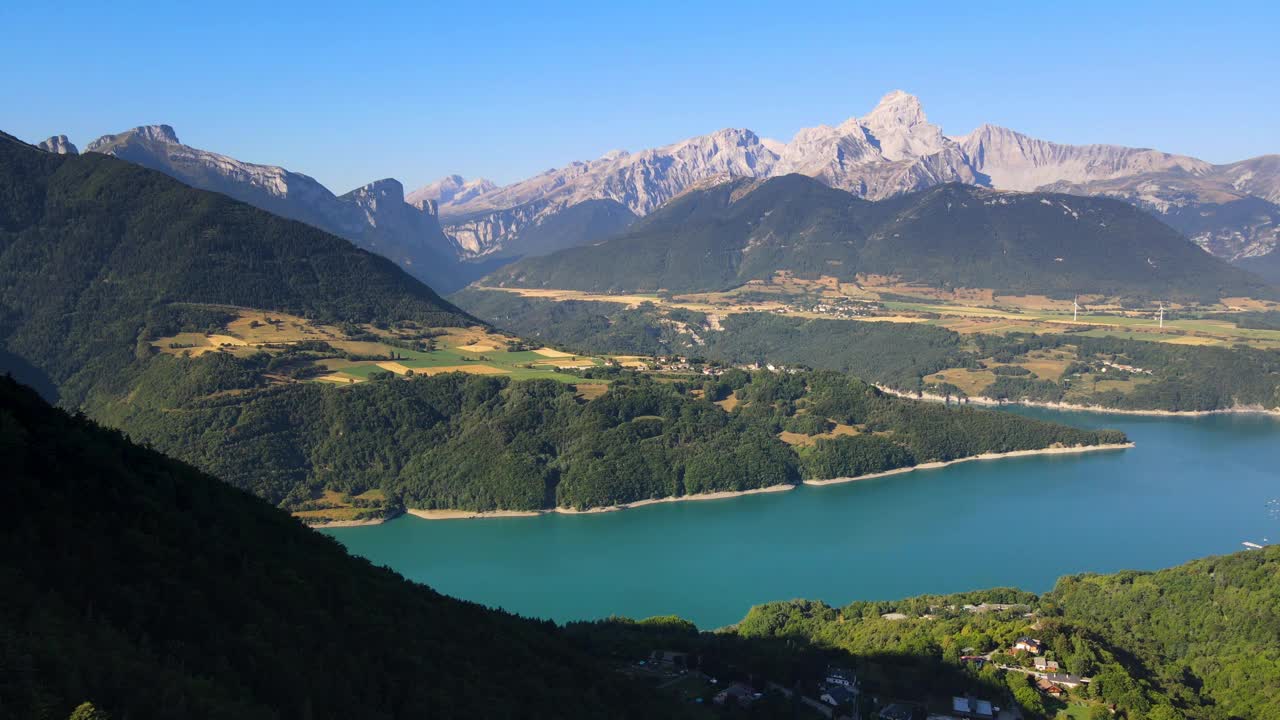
(729, 403)
(885, 318)
(477, 347)
(591, 391)
(256, 327)
(472, 339)
(552, 353)
(972, 383)
(394, 367)
(631, 361)
(1192, 340)
(1047, 364)
(473, 368)
(340, 379)
(359, 347)
(339, 509)
(799, 440)
(565, 363)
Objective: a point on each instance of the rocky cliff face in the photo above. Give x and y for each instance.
(1013, 161)
(489, 222)
(375, 216)
(58, 145)
(451, 190)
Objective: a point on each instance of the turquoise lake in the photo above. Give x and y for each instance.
(1192, 487)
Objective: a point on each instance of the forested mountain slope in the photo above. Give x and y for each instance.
(1199, 641)
(138, 583)
(1266, 266)
(94, 249)
(948, 236)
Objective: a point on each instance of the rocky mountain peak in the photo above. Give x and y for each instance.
(158, 133)
(898, 108)
(163, 134)
(386, 189)
(58, 145)
(451, 189)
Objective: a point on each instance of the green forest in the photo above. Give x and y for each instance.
(457, 441)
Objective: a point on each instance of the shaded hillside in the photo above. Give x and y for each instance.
(93, 248)
(948, 236)
(1267, 266)
(586, 222)
(156, 591)
(1231, 230)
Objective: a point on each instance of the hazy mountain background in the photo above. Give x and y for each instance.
(454, 230)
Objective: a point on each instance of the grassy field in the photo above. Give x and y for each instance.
(972, 382)
(963, 310)
(334, 507)
(520, 365)
(799, 440)
(474, 350)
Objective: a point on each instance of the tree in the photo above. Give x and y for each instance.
(88, 711)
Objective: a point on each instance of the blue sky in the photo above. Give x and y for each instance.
(354, 92)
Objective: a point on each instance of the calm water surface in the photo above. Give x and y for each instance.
(1192, 487)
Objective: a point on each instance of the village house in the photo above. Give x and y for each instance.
(669, 659)
(1049, 688)
(978, 660)
(897, 711)
(1027, 644)
(970, 707)
(1066, 680)
(1044, 664)
(842, 676)
(838, 696)
(740, 693)
(995, 607)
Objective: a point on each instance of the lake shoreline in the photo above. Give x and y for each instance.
(727, 494)
(348, 523)
(478, 515)
(1075, 449)
(1071, 407)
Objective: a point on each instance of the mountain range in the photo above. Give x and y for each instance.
(453, 230)
(1229, 210)
(953, 235)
